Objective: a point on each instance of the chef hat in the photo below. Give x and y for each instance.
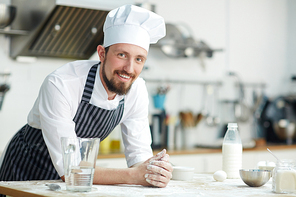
(133, 25)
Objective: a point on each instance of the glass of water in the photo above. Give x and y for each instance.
(79, 159)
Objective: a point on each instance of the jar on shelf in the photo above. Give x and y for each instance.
(284, 176)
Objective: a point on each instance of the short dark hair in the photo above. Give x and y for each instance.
(106, 50)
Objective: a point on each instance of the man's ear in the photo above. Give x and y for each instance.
(101, 53)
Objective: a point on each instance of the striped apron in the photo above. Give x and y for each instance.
(27, 157)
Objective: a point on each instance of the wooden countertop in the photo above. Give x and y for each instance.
(272, 147)
(200, 185)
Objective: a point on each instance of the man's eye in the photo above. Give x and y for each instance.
(139, 59)
(121, 55)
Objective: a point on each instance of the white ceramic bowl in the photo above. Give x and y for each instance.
(182, 173)
(266, 165)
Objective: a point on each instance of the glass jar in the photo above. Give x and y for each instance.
(284, 176)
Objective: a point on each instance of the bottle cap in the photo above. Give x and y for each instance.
(232, 125)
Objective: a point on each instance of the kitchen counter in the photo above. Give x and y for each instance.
(200, 185)
(206, 150)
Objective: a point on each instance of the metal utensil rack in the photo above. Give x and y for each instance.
(204, 83)
(183, 81)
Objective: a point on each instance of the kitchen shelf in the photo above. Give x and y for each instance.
(219, 83)
(14, 32)
(184, 81)
(253, 85)
(5, 74)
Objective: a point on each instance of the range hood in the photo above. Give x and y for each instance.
(59, 28)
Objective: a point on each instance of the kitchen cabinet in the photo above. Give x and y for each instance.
(209, 160)
(112, 162)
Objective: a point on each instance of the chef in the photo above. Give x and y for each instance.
(89, 99)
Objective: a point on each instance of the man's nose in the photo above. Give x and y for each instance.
(129, 66)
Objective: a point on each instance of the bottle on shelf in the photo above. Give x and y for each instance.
(115, 140)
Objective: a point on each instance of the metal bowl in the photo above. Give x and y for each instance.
(7, 14)
(255, 177)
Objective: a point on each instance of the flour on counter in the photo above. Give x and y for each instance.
(200, 185)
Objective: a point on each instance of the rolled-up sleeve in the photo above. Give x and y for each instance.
(56, 118)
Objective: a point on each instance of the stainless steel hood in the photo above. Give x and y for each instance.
(66, 29)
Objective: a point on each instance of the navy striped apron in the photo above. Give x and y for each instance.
(27, 157)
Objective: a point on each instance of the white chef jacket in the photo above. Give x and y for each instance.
(58, 101)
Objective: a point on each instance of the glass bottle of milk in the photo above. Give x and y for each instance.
(232, 152)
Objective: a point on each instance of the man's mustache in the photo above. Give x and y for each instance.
(125, 73)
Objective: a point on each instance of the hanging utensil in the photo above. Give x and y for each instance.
(216, 119)
(204, 102)
(241, 110)
(3, 89)
(210, 105)
(198, 118)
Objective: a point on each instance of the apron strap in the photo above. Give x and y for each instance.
(88, 88)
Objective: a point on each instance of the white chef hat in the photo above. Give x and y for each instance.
(133, 25)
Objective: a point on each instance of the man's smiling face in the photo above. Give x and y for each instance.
(121, 66)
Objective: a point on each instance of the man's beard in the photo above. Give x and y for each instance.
(118, 88)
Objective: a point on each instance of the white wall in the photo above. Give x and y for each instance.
(25, 80)
(290, 55)
(256, 36)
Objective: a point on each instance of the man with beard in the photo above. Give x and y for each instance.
(88, 99)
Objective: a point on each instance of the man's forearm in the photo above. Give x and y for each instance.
(110, 176)
(156, 171)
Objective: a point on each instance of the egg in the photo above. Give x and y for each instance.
(220, 175)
